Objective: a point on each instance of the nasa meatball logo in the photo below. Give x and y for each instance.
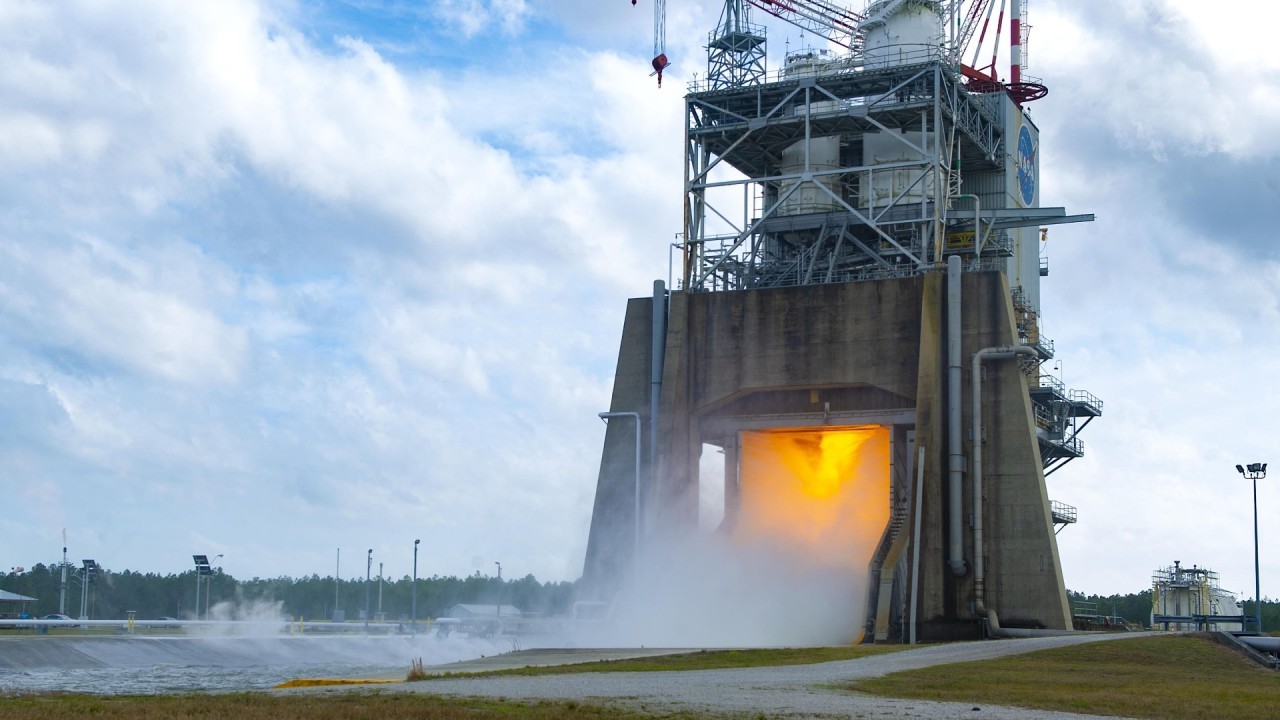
(1026, 165)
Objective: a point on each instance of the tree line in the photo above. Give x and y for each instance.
(151, 595)
(1136, 607)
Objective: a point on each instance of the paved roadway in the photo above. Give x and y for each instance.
(799, 691)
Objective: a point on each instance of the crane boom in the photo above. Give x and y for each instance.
(968, 26)
(820, 17)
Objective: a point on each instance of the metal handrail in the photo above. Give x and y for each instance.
(1083, 397)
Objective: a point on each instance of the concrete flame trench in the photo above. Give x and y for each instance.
(829, 404)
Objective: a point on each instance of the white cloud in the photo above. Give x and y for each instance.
(341, 300)
(1168, 77)
(295, 288)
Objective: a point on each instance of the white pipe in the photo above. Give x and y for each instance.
(1002, 352)
(955, 449)
(977, 224)
(657, 351)
(915, 546)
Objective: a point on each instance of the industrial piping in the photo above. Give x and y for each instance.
(1002, 352)
(955, 449)
(658, 349)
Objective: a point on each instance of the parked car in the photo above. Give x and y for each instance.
(58, 616)
(167, 620)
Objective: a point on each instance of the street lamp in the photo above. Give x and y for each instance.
(635, 550)
(1255, 472)
(202, 569)
(415, 586)
(498, 607)
(368, 570)
(208, 586)
(90, 568)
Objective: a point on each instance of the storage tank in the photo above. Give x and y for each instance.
(809, 63)
(896, 185)
(901, 32)
(824, 152)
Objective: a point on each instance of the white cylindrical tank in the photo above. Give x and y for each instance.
(824, 154)
(809, 62)
(898, 185)
(900, 32)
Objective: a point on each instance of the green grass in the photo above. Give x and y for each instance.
(701, 660)
(339, 706)
(1179, 677)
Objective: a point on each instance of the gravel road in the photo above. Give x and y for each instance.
(796, 691)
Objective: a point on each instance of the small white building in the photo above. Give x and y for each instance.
(1191, 599)
(471, 611)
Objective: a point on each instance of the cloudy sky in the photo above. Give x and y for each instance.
(278, 278)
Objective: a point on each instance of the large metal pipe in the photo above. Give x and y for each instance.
(1265, 644)
(917, 509)
(1002, 352)
(658, 349)
(977, 224)
(955, 448)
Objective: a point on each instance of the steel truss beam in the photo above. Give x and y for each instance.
(735, 138)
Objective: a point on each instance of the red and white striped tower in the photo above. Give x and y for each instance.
(1015, 42)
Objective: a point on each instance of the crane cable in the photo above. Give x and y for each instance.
(660, 61)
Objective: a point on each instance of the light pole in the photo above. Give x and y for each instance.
(498, 607)
(62, 587)
(379, 592)
(368, 570)
(86, 577)
(635, 550)
(208, 587)
(415, 586)
(202, 569)
(1255, 472)
(337, 581)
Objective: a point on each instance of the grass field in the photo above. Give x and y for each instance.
(701, 660)
(338, 706)
(1178, 677)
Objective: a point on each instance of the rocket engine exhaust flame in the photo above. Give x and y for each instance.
(790, 565)
(822, 492)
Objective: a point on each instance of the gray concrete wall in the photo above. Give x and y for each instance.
(611, 539)
(1025, 582)
(879, 343)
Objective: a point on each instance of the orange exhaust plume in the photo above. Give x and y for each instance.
(821, 493)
